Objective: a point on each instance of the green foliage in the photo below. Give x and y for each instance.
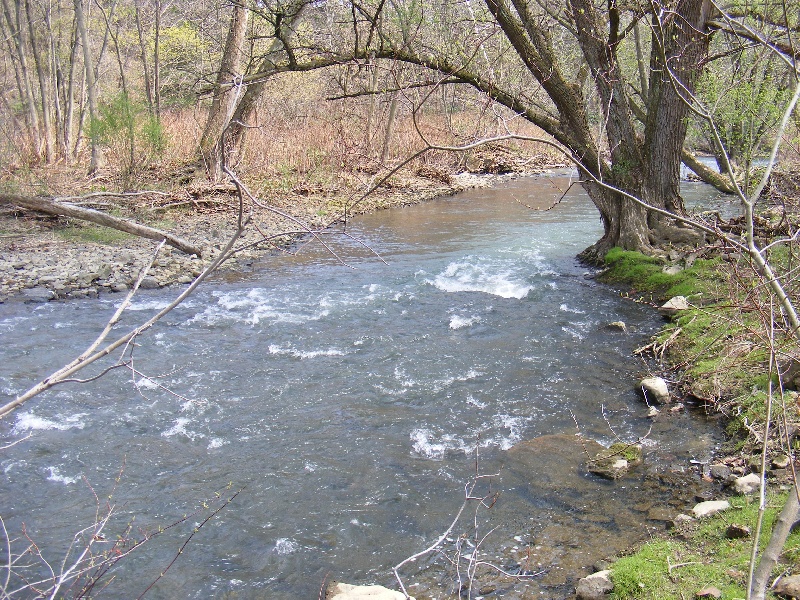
(131, 135)
(700, 555)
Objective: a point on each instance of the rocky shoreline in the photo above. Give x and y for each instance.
(37, 264)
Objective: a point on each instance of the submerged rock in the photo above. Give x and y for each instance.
(615, 461)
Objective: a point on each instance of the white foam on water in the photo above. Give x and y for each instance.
(310, 467)
(486, 278)
(56, 476)
(179, 428)
(11, 323)
(513, 425)
(423, 444)
(258, 305)
(573, 332)
(146, 383)
(475, 402)
(215, 443)
(154, 305)
(303, 354)
(565, 308)
(459, 322)
(31, 422)
(286, 546)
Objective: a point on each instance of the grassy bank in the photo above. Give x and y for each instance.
(721, 352)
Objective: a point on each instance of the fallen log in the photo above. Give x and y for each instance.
(63, 209)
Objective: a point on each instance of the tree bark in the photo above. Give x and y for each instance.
(44, 94)
(91, 89)
(62, 209)
(26, 91)
(223, 100)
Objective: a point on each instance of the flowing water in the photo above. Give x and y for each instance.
(349, 401)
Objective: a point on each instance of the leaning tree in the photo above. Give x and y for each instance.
(568, 66)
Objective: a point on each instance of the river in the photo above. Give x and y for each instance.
(349, 400)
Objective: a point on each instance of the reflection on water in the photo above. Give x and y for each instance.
(349, 403)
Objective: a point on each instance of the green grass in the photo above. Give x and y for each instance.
(706, 558)
(94, 234)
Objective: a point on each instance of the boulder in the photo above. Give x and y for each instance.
(788, 586)
(595, 587)
(705, 509)
(709, 592)
(748, 484)
(673, 306)
(655, 390)
(345, 591)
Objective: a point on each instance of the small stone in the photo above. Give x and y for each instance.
(672, 270)
(655, 390)
(595, 587)
(653, 412)
(748, 484)
(720, 471)
(709, 592)
(737, 532)
(149, 283)
(119, 287)
(673, 306)
(788, 586)
(781, 461)
(705, 509)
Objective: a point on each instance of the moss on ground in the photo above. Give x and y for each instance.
(700, 554)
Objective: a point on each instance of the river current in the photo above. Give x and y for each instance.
(349, 401)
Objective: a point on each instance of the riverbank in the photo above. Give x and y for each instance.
(45, 258)
(716, 353)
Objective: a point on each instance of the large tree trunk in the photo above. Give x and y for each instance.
(680, 43)
(222, 103)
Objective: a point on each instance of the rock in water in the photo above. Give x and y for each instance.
(595, 586)
(345, 591)
(615, 461)
(655, 390)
